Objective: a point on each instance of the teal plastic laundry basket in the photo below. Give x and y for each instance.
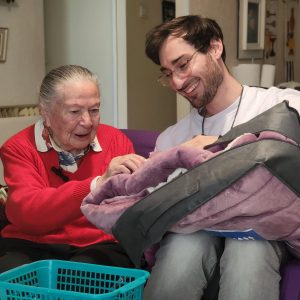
(65, 280)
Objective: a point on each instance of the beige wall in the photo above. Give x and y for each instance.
(150, 106)
(24, 68)
(153, 107)
(83, 32)
(225, 12)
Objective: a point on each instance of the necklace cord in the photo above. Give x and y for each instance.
(203, 112)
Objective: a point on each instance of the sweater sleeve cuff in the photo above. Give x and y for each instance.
(94, 183)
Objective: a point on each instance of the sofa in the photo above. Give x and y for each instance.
(144, 142)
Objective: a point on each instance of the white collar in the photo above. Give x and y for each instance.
(42, 145)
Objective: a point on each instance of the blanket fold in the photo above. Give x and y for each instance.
(243, 186)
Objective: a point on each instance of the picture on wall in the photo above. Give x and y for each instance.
(3, 43)
(251, 28)
(252, 23)
(168, 10)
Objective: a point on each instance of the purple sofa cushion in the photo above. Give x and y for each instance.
(143, 140)
(290, 282)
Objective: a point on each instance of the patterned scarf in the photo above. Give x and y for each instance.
(67, 161)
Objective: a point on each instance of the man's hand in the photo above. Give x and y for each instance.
(201, 141)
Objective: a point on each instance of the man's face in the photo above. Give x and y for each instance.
(203, 77)
(74, 117)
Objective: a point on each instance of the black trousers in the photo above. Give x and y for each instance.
(16, 252)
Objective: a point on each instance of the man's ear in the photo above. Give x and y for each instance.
(216, 48)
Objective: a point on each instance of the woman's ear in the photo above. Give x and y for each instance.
(44, 113)
(47, 122)
(216, 48)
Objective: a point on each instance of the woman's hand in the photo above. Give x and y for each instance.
(125, 164)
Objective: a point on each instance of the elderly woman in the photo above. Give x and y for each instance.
(52, 165)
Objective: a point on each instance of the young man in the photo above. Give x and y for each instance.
(191, 55)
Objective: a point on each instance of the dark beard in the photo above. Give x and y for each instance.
(212, 81)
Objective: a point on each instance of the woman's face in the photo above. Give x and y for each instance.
(73, 118)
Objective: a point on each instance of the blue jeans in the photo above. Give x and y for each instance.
(189, 266)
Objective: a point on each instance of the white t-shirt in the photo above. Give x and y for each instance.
(254, 101)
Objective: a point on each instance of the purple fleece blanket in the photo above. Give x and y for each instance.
(258, 201)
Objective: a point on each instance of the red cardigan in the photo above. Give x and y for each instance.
(41, 207)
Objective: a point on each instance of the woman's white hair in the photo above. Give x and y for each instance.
(49, 88)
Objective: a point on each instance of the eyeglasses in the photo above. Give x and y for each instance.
(181, 69)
